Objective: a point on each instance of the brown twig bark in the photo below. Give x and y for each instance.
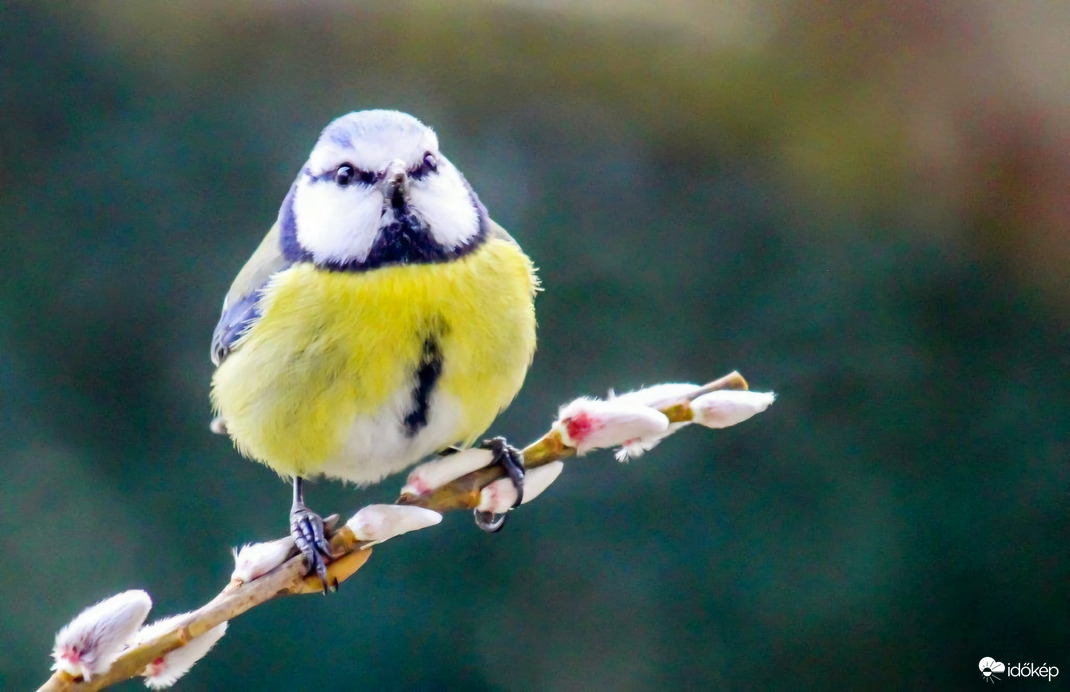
(349, 553)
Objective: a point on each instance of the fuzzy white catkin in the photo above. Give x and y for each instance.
(658, 395)
(499, 496)
(727, 407)
(438, 472)
(655, 396)
(378, 523)
(254, 560)
(588, 424)
(166, 670)
(91, 642)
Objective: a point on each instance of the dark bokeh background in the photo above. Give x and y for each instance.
(863, 209)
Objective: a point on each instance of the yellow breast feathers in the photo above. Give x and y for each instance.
(332, 348)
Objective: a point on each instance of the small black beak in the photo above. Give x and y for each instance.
(396, 191)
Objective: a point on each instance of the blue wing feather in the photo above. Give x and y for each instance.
(235, 321)
(241, 309)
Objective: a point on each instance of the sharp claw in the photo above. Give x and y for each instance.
(317, 565)
(489, 521)
(321, 572)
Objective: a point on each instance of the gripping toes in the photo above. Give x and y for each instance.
(307, 529)
(512, 462)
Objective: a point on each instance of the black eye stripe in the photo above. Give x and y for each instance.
(346, 174)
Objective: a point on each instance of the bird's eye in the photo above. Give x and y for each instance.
(344, 175)
(347, 174)
(430, 163)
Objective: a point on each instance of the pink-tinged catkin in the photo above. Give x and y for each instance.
(91, 642)
(498, 497)
(586, 424)
(167, 669)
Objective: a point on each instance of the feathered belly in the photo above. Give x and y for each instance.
(378, 445)
(358, 375)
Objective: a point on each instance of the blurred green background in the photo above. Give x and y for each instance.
(864, 207)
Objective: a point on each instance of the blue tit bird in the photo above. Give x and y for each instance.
(384, 317)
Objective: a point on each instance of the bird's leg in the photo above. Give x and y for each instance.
(512, 461)
(307, 529)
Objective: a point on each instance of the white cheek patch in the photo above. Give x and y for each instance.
(337, 224)
(442, 200)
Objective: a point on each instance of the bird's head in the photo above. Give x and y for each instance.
(376, 191)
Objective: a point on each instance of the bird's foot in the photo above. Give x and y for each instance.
(307, 528)
(512, 461)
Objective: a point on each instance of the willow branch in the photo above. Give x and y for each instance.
(349, 554)
(464, 492)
